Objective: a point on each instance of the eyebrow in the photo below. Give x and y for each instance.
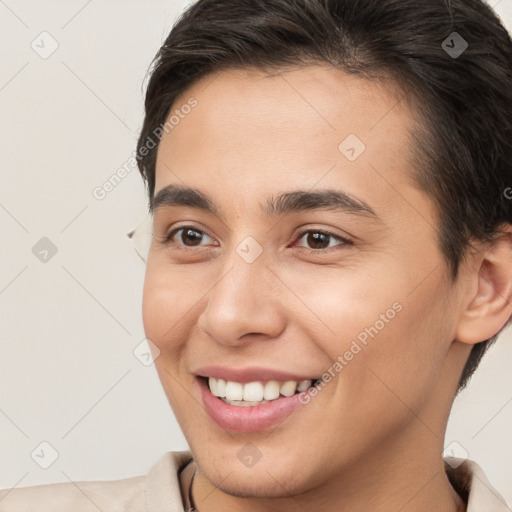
(286, 202)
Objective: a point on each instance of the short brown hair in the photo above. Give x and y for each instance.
(464, 152)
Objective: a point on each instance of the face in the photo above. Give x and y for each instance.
(257, 289)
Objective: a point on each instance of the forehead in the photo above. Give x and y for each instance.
(311, 126)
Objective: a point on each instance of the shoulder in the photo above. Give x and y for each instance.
(84, 496)
(471, 483)
(126, 495)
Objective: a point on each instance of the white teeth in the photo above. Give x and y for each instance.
(221, 387)
(271, 390)
(255, 393)
(288, 388)
(214, 387)
(234, 390)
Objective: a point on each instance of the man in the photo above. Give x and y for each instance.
(331, 254)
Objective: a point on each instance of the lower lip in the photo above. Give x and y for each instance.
(250, 418)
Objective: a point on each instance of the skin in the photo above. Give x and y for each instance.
(372, 439)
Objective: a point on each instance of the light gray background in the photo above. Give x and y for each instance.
(68, 375)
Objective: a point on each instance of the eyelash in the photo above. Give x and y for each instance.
(345, 241)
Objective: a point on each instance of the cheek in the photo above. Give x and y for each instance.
(164, 313)
(405, 358)
(161, 307)
(386, 338)
(344, 306)
(154, 311)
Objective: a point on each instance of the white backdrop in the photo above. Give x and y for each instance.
(71, 99)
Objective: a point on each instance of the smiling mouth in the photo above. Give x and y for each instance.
(257, 392)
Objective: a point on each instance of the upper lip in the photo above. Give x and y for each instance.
(249, 374)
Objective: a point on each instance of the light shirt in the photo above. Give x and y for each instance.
(160, 491)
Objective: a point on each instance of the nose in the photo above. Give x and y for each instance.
(244, 304)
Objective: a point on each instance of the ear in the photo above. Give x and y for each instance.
(488, 301)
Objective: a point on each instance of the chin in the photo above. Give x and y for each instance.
(261, 485)
(264, 480)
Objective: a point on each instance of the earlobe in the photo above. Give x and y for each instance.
(490, 306)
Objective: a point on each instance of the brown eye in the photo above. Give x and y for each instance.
(320, 240)
(189, 237)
